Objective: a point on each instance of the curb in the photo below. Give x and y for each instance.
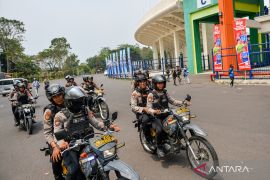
(245, 82)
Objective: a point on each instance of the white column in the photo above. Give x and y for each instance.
(207, 36)
(155, 56)
(185, 55)
(161, 53)
(176, 47)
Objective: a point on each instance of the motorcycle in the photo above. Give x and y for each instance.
(97, 103)
(98, 155)
(182, 134)
(27, 115)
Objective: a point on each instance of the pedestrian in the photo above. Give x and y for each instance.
(231, 74)
(178, 74)
(168, 74)
(174, 75)
(35, 86)
(46, 83)
(186, 74)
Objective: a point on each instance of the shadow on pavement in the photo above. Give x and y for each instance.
(172, 159)
(37, 127)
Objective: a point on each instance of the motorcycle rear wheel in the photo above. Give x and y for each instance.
(204, 154)
(145, 144)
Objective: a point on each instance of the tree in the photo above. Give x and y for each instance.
(26, 67)
(54, 57)
(71, 64)
(98, 62)
(59, 50)
(11, 36)
(146, 53)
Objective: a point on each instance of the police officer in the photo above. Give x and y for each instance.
(139, 100)
(78, 121)
(85, 82)
(158, 100)
(70, 81)
(15, 90)
(22, 96)
(55, 94)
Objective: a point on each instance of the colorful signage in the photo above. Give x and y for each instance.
(217, 49)
(241, 44)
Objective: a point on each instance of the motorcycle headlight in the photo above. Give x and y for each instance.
(186, 117)
(109, 152)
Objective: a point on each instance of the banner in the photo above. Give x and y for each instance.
(118, 65)
(242, 51)
(217, 49)
(129, 62)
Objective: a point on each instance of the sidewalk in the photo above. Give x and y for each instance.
(264, 82)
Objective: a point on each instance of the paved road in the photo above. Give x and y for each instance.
(237, 121)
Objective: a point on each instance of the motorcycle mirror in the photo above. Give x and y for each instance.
(62, 134)
(188, 98)
(114, 116)
(101, 85)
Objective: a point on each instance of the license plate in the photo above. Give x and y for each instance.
(104, 140)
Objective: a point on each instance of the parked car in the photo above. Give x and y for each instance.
(105, 73)
(6, 85)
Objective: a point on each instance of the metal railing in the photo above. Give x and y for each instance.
(259, 55)
(152, 65)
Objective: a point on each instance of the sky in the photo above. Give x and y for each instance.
(88, 25)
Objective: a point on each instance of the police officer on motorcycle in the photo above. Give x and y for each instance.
(157, 101)
(139, 100)
(70, 81)
(78, 121)
(15, 90)
(22, 96)
(88, 84)
(55, 94)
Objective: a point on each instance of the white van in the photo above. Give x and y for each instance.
(6, 85)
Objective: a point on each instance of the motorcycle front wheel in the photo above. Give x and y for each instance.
(103, 110)
(28, 124)
(206, 159)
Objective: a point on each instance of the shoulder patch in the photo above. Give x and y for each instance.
(135, 94)
(47, 115)
(150, 98)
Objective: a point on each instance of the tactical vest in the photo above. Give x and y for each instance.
(144, 93)
(91, 86)
(22, 98)
(160, 101)
(54, 109)
(78, 124)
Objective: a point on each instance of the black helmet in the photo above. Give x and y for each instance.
(140, 77)
(16, 83)
(71, 77)
(159, 79)
(54, 90)
(85, 78)
(21, 84)
(74, 99)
